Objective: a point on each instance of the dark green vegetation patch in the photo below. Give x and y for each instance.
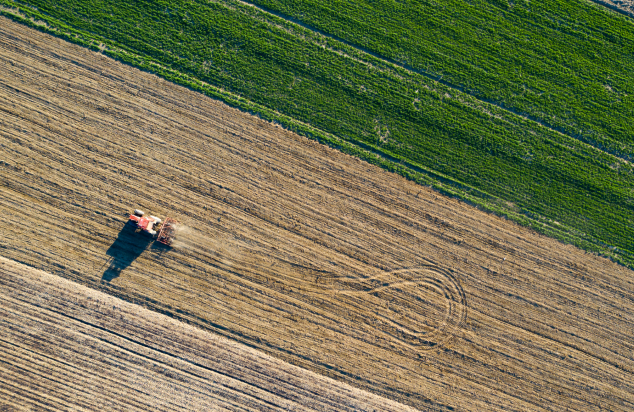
(566, 64)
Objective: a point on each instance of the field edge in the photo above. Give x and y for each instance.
(369, 153)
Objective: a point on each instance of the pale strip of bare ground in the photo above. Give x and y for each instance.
(621, 6)
(303, 252)
(67, 346)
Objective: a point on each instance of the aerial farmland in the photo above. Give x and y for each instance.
(376, 206)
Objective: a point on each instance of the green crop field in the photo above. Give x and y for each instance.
(564, 63)
(531, 119)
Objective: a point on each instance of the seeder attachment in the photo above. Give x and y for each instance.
(168, 231)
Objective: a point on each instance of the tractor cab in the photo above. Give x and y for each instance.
(147, 224)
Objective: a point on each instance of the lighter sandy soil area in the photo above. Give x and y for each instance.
(622, 6)
(295, 249)
(65, 346)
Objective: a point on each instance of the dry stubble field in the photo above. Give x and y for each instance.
(69, 347)
(296, 249)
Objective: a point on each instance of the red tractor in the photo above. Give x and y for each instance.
(163, 232)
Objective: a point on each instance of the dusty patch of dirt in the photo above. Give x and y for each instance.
(308, 254)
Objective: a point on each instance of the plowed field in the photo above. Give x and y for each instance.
(66, 346)
(296, 249)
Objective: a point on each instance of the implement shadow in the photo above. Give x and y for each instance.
(126, 248)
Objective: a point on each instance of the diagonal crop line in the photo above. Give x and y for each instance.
(438, 79)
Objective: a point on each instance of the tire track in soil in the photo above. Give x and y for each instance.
(290, 244)
(441, 291)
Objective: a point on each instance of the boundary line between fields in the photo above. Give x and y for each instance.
(363, 152)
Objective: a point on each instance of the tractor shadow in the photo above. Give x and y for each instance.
(128, 246)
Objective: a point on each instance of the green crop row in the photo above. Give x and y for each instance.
(566, 63)
(388, 115)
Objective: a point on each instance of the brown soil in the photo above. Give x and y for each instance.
(288, 246)
(77, 348)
